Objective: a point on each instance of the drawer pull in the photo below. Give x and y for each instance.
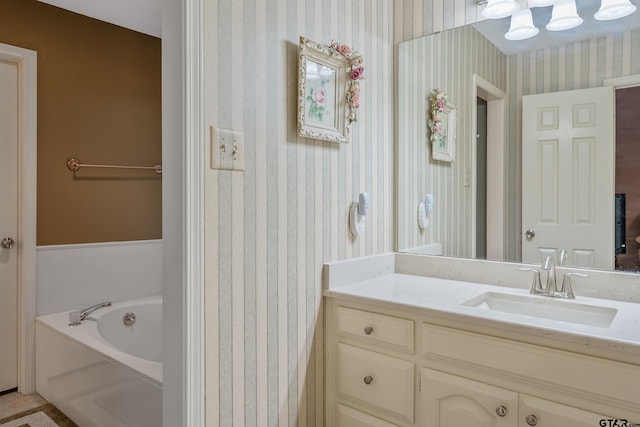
(531, 420)
(501, 411)
(368, 330)
(368, 379)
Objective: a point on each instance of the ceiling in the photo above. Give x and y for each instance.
(139, 15)
(495, 29)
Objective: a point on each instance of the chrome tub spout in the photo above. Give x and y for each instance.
(75, 317)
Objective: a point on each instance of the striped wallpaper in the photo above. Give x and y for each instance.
(446, 61)
(416, 18)
(270, 229)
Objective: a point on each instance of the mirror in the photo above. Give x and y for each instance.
(477, 198)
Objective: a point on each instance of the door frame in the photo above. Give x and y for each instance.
(496, 164)
(26, 61)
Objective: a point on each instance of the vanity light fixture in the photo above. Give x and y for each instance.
(614, 9)
(521, 26)
(540, 3)
(564, 16)
(497, 9)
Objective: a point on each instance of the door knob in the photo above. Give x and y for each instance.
(532, 420)
(8, 243)
(530, 234)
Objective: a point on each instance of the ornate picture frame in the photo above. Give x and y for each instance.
(328, 90)
(442, 125)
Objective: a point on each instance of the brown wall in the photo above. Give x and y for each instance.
(99, 99)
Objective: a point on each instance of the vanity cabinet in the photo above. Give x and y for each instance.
(389, 367)
(451, 401)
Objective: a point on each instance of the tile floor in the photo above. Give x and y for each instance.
(12, 403)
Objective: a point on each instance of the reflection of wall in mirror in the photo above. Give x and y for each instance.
(425, 64)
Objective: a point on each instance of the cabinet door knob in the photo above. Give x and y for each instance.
(368, 330)
(501, 410)
(531, 420)
(368, 379)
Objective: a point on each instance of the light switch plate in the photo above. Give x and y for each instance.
(221, 148)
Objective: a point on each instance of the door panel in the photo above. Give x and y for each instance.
(451, 401)
(568, 170)
(8, 224)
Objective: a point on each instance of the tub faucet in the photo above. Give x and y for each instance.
(75, 317)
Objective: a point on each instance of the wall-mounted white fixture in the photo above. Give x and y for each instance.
(358, 214)
(564, 16)
(614, 9)
(521, 26)
(540, 3)
(497, 9)
(425, 207)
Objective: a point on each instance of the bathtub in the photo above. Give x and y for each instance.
(103, 373)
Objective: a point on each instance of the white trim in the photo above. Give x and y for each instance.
(496, 158)
(194, 409)
(27, 152)
(622, 82)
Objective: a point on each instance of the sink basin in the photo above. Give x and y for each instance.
(545, 308)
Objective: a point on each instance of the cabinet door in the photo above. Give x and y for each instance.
(543, 413)
(451, 401)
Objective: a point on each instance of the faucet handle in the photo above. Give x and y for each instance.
(74, 318)
(536, 285)
(567, 289)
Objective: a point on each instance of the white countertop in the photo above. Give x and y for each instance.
(442, 300)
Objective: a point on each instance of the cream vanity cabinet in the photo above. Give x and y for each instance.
(391, 367)
(452, 401)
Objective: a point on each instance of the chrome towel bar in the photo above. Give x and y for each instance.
(73, 164)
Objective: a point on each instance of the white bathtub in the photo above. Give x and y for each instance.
(103, 373)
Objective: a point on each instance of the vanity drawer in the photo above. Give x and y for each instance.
(349, 417)
(387, 331)
(599, 379)
(375, 380)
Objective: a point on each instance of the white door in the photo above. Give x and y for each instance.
(568, 170)
(542, 413)
(450, 401)
(8, 224)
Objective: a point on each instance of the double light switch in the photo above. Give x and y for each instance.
(227, 149)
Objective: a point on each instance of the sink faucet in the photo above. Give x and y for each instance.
(562, 258)
(75, 317)
(550, 266)
(551, 289)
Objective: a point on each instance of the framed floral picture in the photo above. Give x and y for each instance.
(442, 127)
(328, 90)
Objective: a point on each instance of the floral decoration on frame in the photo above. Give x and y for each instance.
(328, 90)
(442, 126)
